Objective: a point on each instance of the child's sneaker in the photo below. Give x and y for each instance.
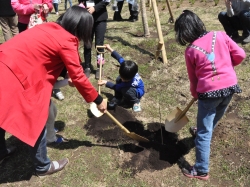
(99, 61)
(114, 102)
(193, 131)
(137, 107)
(59, 140)
(58, 94)
(192, 173)
(56, 130)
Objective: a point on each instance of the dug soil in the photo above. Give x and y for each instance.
(162, 151)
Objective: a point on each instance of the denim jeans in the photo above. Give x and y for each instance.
(210, 112)
(233, 24)
(55, 5)
(50, 123)
(70, 4)
(38, 152)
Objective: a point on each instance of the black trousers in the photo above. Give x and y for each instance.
(3, 149)
(128, 94)
(98, 32)
(22, 27)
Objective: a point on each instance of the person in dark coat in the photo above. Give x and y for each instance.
(99, 11)
(8, 20)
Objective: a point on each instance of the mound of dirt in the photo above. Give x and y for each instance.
(162, 151)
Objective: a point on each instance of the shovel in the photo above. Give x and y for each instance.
(93, 107)
(132, 135)
(177, 118)
(171, 19)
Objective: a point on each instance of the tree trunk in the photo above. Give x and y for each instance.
(144, 18)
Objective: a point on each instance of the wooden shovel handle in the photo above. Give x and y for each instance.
(169, 9)
(100, 47)
(117, 122)
(185, 110)
(100, 75)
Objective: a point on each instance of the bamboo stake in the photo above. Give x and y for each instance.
(159, 31)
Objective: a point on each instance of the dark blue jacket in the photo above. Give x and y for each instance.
(136, 82)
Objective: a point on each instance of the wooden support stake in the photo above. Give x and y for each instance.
(159, 50)
(159, 31)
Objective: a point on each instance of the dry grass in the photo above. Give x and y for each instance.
(167, 86)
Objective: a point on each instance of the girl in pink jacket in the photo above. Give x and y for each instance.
(210, 60)
(24, 9)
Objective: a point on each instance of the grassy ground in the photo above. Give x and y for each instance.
(167, 87)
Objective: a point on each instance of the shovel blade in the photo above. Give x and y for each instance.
(93, 108)
(136, 137)
(171, 126)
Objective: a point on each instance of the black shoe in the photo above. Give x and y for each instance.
(87, 72)
(61, 164)
(10, 151)
(133, 19)
(117, 17)
(97, 74)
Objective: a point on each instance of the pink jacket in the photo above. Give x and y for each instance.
(24, 8)
(227, 55)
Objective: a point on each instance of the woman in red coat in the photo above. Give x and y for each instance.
(30, 64)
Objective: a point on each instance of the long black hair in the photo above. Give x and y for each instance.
(79, 22)
(188, 27)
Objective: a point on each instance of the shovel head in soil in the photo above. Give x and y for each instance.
(132, 135)
(177, 118)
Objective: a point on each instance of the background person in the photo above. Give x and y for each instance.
(8, 20)
(24, 9)
(29, 76)
(99, 11)
(133, 10)
(55, 5)
(66, 4)
(237, 17)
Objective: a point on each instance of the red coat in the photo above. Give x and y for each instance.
(30, 64)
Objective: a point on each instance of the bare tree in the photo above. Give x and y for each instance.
(144, 18)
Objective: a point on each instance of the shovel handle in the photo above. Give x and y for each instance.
(185, 110)
(100, 75)
(100, 47)
(169, 9)
(117, 122)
